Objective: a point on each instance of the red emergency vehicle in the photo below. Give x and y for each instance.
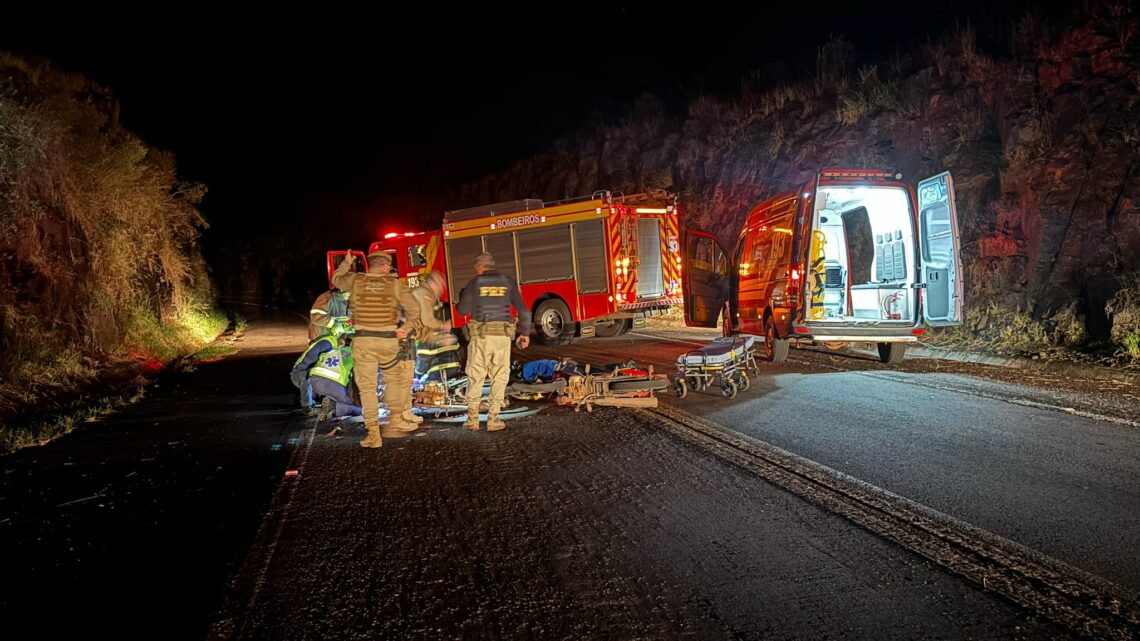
(855, 255)
(588, 266)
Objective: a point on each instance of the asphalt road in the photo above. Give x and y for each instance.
(1010, 456)
(213, 509)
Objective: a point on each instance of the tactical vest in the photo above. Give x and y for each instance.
(492, 297)
(335, 365)
(373, 301)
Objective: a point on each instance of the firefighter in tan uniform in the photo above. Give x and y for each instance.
(432, 313)
(426, 296)
(487, 299)
(376, 300)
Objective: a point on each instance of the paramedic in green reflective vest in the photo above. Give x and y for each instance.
(325, 370)
(488, 299)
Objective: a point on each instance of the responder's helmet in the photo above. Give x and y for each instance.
(342, 326)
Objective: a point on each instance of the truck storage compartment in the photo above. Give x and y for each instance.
(650, 281)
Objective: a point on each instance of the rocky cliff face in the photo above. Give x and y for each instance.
(1042, 143)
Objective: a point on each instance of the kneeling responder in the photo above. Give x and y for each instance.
(327, 373)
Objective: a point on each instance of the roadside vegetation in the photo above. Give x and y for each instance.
(100, 269)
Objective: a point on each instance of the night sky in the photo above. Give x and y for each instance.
(290, 116)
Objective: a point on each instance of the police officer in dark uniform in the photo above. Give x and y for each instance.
(487, 299)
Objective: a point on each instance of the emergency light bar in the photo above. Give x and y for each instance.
(871, 174)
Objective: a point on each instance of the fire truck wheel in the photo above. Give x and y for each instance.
(892, 352)
(618, 327)
(552, 322)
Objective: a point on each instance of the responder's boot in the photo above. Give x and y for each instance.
(399, 430)
(326, 407)
(472, 420)
(494, 423)
(398, 427)
(373, 438)
(412, 417)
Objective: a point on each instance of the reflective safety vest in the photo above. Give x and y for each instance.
(335, 365)
(324, 343)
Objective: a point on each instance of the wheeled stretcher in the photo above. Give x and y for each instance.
(727, 359)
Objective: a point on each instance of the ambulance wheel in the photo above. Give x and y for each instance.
(552, 322)
(696, 383)
(741, 379)
(728, 390)
(681, 388)
(617, 327)
(775, 348)
(892, 352)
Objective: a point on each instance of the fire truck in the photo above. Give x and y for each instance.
(587, 266)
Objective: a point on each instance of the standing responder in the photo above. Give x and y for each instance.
(433, 312)
(437, 354)
(435, 325)
(376, 299)
(487, 299)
